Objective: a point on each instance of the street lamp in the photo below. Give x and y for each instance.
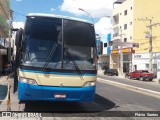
(87, 14)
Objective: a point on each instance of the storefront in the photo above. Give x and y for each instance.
(115, 59)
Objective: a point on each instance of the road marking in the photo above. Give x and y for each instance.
(137, 89)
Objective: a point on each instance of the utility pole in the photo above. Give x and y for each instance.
(150, 49)
(121, 56)
(10, 33)
(151, 46)
(150, 43)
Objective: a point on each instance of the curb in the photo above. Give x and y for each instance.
(138, 89)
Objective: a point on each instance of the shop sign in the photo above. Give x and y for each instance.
(140, 56)
(114, 51)
(137, 56)
(124, 50)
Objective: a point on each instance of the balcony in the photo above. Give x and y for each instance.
(115, 19)
(115, 35)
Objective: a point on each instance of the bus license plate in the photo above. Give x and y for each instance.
(60, 96)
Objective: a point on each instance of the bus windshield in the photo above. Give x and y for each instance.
(50, 39)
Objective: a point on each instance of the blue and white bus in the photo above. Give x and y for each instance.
(55, 59)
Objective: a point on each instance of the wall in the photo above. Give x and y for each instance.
(142, 61)
(106, 39)
(146, 9)
(124, 19)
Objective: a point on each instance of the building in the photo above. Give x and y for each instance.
(4, 30)
(132, 20)
(103, 49)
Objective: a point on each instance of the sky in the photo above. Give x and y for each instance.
(97, 9)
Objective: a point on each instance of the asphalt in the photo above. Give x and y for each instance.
(100, 73)
(13, 101)
(150, 88)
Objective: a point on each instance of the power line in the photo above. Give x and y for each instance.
(142, 49)
(156, 44)
(149, 35)
(139, 39)
(18, 13)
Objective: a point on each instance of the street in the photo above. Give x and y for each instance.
(152, 85)
(75, 59)
(108, 98)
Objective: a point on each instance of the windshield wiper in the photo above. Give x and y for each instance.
(74, 63)
(50, 55)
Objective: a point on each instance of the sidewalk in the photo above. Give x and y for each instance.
(14, 102)
(3, 92)
(3, 79)
(100, 72)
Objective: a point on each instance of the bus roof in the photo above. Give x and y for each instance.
(57, 16)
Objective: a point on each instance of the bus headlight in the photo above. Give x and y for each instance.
(27, 80)
(89, 83)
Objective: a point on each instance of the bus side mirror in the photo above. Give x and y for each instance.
(18, 39)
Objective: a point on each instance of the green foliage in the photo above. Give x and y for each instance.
(3, 24)
(8, 3)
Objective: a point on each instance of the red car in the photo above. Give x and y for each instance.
(141, 75)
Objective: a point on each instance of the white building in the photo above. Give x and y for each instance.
(141, 62)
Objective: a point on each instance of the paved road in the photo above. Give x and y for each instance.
(126, 100)
(108, 98)
(151, 85)
(3, 88)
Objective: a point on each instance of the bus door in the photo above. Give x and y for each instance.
(18, 43)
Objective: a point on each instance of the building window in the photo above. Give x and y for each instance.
(130, 23)
(131, 8)
(125, 12)
(130, 37)
(105, 44)
(125, 39)
(125, 26)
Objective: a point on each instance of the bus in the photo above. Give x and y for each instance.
(55, 59)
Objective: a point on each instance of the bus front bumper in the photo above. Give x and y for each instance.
(51, 93)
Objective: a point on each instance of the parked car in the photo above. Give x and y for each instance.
(111, 72)
(141, 75)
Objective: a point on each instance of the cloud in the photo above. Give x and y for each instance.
(103, 26)
(18, 24)
(52, 9)
(96, 8)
